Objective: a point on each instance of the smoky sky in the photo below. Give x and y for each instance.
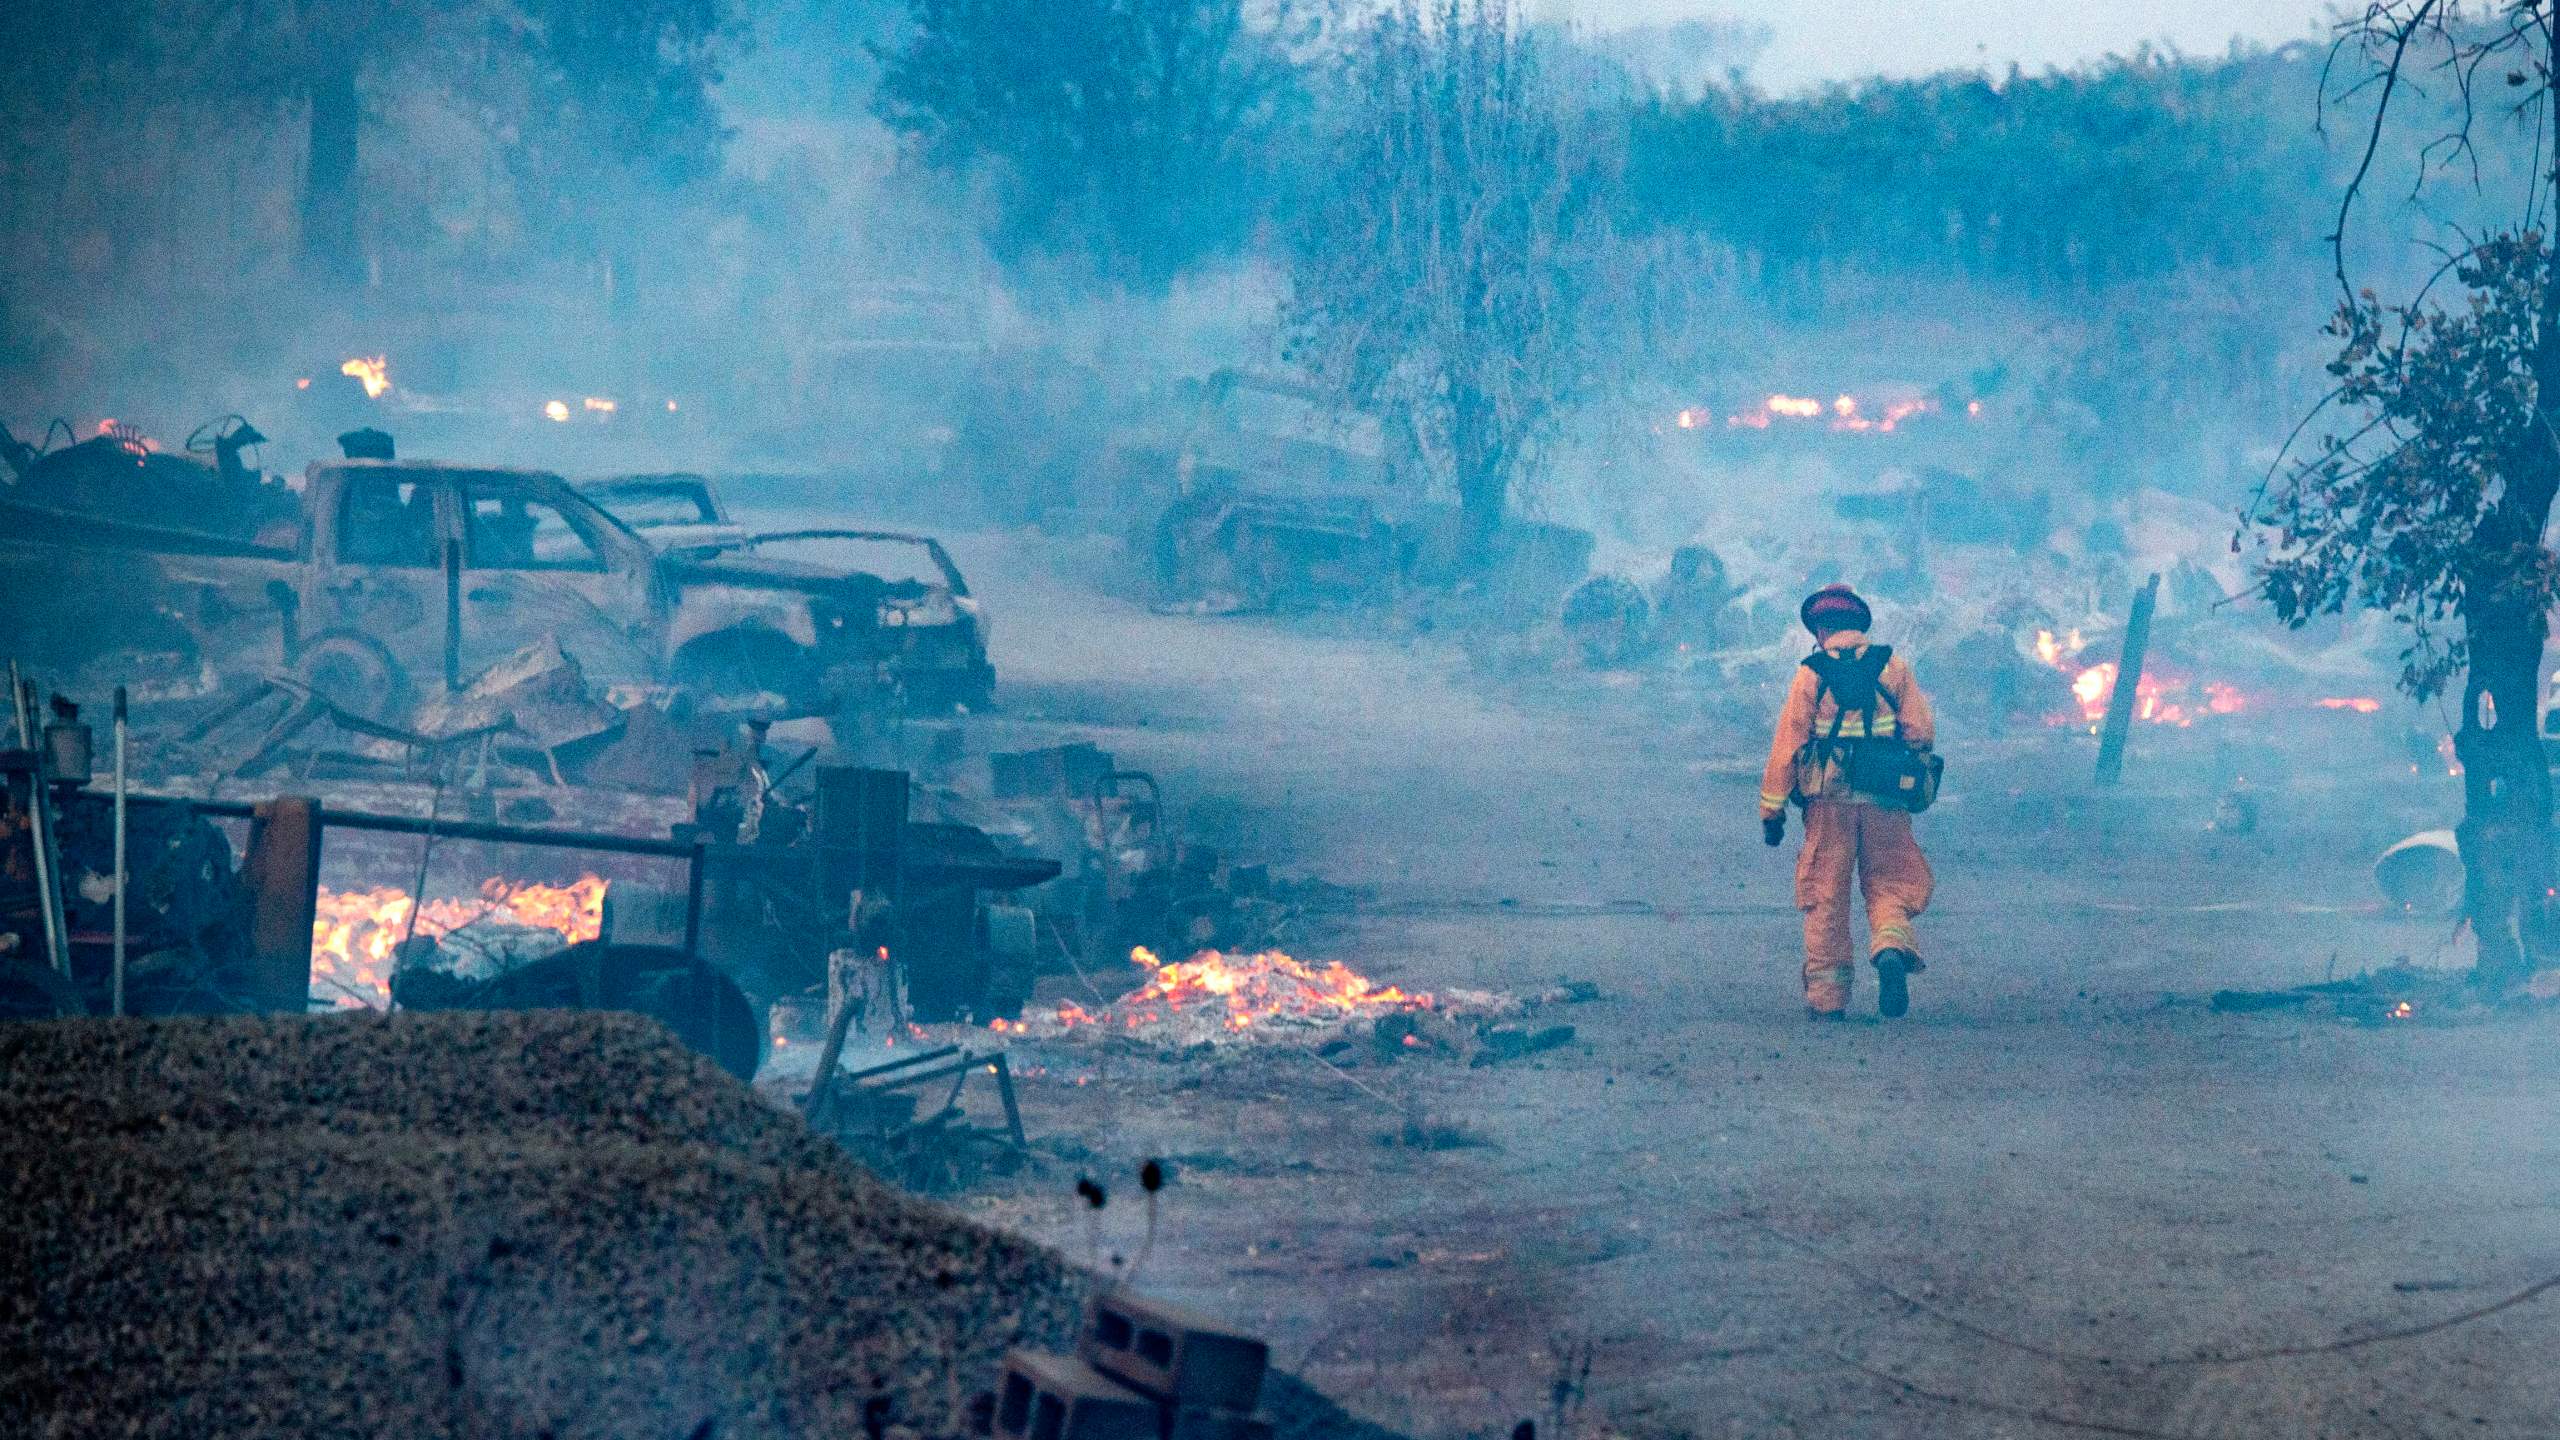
(1844, 39)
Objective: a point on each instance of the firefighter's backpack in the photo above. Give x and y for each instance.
(1884, 768)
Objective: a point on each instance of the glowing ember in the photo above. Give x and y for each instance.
(355, 931)
(2401, 1011)
(1795, 407)
(1214, 993)
(374, 372)
(599, 405)
(2360, 704)
(556, 410)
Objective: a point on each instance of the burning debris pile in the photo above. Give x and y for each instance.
(1214, 996)
(2162, 695)
(1268, 997)
(356, 935)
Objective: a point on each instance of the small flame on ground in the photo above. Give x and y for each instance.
(599, 404)
(2401, 1011)
(1241, 993)
(374, 371)
(353, 932)
(556, 410)
(2360, 704)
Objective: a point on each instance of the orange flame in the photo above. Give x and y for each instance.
(2156, 700)
(1242, 992)
(354, 932)
(375, 372)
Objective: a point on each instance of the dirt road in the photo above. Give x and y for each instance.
(2064, 1195)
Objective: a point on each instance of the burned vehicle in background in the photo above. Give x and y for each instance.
(381, 576)
(1263, 492)
(931, 631)
(671, 509)
(190, 507)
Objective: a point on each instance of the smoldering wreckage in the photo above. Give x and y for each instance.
(514, 746)
(479, 746)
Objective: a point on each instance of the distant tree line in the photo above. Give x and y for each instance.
(2070, 180)
(1400, 169)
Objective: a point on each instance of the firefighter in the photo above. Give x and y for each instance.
(1849, 691)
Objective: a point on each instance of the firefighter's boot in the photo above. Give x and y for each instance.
(1893, 988)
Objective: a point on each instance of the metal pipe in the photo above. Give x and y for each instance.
(39, 828)
(694, 866)
(465, 830)
(452, 616)
(124, 876)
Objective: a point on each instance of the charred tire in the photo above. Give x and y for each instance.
(705, 1008)
(354, 672)
(748, 672)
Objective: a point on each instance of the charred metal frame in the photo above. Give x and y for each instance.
(283, 866)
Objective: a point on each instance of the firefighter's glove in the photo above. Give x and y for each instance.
(1773, 829)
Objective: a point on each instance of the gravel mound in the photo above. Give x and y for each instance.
(457, 1226)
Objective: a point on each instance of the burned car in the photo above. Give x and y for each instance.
(388, 572)
(677, 508)
(931, 632)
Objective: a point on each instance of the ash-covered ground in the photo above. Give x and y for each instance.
(2064, 1194)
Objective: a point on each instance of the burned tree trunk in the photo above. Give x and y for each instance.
(2506, 831)
(2506, 837)
(329, 248)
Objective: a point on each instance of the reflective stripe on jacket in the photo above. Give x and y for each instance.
(1802, 720)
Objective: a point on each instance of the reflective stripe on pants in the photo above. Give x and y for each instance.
(1873, 845)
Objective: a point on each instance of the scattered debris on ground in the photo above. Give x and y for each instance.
(2395, 994)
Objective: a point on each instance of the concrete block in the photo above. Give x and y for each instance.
(1173, 1354)
(1058, 1397)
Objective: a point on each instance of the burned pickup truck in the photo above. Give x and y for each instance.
(389, 574)
(935, 630)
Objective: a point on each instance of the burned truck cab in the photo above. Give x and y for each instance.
(417, 568)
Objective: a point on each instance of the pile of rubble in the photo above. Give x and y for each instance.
(469, 1225)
